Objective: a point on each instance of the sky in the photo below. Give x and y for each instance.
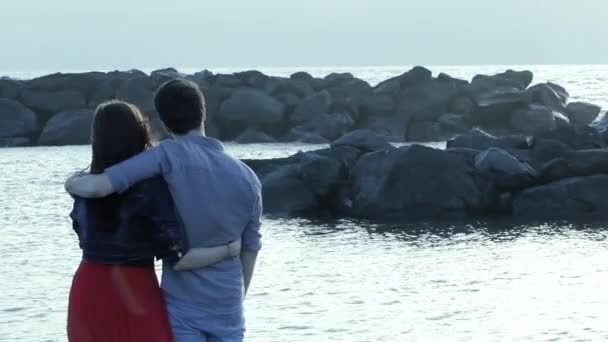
(123, 34)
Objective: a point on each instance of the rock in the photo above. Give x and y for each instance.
(544, 150)
(284, 193)
(453, 123)
(167, 74)
(496, 106)
(138, 91)
(426, 102)
(427, 131)
(577, 138)
(462, 105)
(15, 142)
(533, 119)
(312, 107)
(320, 174)
(364, 140)
(51, 102)
(573, 198)
(290, 101)
(576, 164)
(336, 79)
(329, 126)
(16, 120)
(304, 137)
(519, 80)
(377, 105)
(582, 113)
(416, 76)
(544, 94)
(354, 88)
(346, 105)
(301, 76)
(252, 136)
(393, 128)
(250, 109)
(10, 89)
(83, 83)
(252, 78)
(227, 81)
(277, 86)
(561, 91)
(417, 182)
(504, 170)
(480, 140)
(159, 131)
(68, 128)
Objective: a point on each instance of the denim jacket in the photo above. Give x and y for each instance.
(132, 228)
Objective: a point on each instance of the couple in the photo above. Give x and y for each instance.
(184, 201)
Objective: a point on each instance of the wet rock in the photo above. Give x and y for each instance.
(496, 106)
(139, 91)
(417, 182)
(68, 128)
(582, 113)
(330, 126)
(573, 198)
(480, 140)
(534, 119)
(576, 164)
(10, 89)
(284, 193)
(377, 105)
(504, 169)
(250, 109)
(52, 102)
(16, 120)
(544, 94)
(577, 138)
(364, 140)
(312, 107)
(15, 142)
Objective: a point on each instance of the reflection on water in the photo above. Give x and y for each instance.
(332, 280)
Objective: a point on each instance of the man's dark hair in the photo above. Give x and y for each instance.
(181, 105)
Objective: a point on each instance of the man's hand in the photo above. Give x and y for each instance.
(89, 186)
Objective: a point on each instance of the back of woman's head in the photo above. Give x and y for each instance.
(119, 132)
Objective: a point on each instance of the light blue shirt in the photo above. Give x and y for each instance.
(218, 199)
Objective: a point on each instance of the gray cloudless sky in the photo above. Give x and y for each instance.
(121, 34)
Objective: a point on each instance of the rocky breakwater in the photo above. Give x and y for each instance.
(547, 176)
(251, 107)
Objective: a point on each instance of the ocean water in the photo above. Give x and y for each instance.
(583, 82)
(330, 281)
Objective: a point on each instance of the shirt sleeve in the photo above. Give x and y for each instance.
(145, 165)
(251, 238)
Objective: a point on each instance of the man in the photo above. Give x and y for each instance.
(218, 199)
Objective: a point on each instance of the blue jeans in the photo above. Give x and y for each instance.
(195, 323)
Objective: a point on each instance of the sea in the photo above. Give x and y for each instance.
(341, 280)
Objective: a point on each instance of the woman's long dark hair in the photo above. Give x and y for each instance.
(119, 132)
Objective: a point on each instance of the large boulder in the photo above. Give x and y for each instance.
(417, 182)
(250, 109)
(84, 83)
(10, 89)
(582, 113)
(393, 128)
(139, 91)
(297, 135)
(278, 86)
(377, 105)
(68, 128)
(285, 193)
(364, 140)
(574, 198)
(576, 164)
(535, 119)
(504, 170)
(51, 102)
(544, 94)
(312, 107)
(577, 138)
(15, 142)
(510, 79)
(330, 126)
(16, 120)
(561, 91)
(416, 76)
(252, 78)
(426, 102)
(495, 107)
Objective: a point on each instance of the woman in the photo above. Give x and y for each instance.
(115, 295)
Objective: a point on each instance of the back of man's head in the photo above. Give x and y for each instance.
(181, 105)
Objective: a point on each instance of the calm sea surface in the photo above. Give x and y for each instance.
(338, 281)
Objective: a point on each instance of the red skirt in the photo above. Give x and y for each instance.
(110, 303)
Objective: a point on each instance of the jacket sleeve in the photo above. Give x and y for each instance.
(169, 232)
